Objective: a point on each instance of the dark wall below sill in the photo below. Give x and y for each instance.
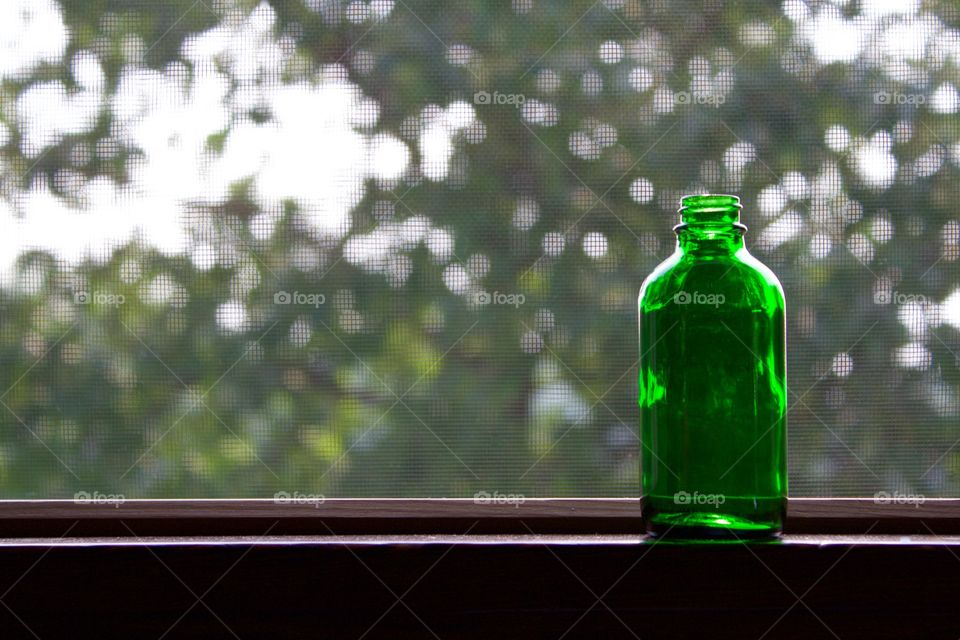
(480, 587)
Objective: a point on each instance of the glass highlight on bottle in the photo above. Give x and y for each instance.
(712, 383)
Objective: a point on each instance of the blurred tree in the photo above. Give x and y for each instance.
(393, 248)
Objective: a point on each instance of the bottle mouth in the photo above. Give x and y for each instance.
(710, 209)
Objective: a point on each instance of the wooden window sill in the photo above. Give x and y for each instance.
(50, 518)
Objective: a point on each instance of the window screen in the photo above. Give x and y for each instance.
(393, 248)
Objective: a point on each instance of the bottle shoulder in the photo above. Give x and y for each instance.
(661, 275)
(762, 270)
(739, 278)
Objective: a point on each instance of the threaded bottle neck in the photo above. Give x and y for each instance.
(710, 224)
(710, 209)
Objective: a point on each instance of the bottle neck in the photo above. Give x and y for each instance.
(710, 225)
(697, 239)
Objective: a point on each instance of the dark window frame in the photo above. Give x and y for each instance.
(451, 568)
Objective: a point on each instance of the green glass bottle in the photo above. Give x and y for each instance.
(712, 383)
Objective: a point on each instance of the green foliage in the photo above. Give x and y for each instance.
(400, 386)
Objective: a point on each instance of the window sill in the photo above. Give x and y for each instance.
(598, 541)
(455, 569)
(50, 518)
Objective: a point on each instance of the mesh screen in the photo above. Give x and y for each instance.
(393, 248)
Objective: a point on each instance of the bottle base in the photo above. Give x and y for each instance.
(710, 525)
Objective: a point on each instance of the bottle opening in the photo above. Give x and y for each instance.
(710, 209)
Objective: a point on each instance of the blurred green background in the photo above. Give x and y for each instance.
(393, 248)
